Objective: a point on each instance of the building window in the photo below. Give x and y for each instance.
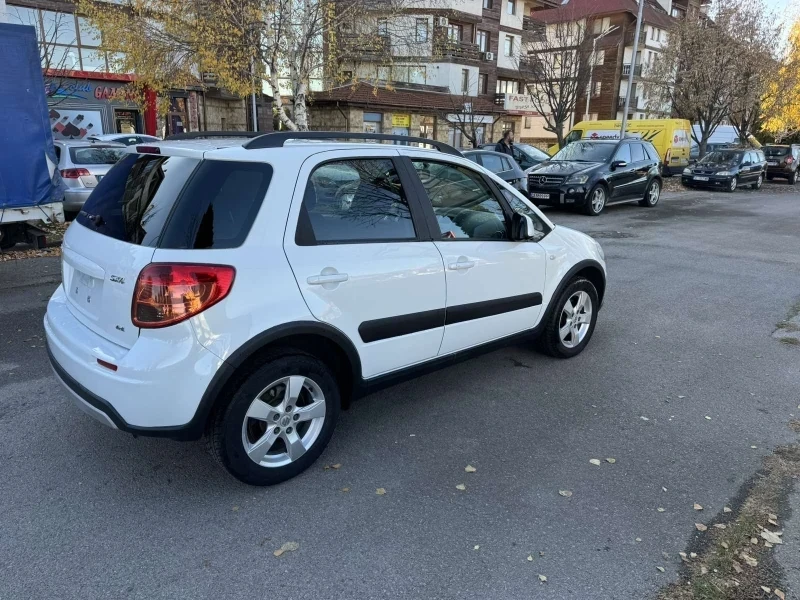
(422, 30)
(483, 83)
(384, 73)
(427, 128)
(507, 86)
(417, 74)
(597, 87)
(454, 32)
(508, 126)
(482, 39)
(372, 122)
(383, 27)
(465, 81)
(511, 7)
(508, 46)
(487, 4)
(601, 25)
(528, 122)
(600, 57)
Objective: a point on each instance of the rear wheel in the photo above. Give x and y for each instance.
(793, 178)
(570, 326)
(279, 420)
(759, 182)
(652, 195)
(732, 185)
(596, 201)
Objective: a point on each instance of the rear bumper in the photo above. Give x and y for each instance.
(785, 172)
(157, 388)
(75, 198)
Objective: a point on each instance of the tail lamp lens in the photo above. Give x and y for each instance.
(167, 294)
(74, 173)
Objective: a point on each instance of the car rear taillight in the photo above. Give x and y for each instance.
(74, 173)
(166, 294)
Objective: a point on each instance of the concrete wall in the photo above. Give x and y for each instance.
(232, 111)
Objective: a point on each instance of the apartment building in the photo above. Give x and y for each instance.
(428, 71)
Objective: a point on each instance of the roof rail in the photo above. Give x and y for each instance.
(278, 139)
(200, 135)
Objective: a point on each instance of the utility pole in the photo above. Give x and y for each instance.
(591, 67)
(633, 69)
(253, 96)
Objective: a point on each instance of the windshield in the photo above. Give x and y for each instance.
(95, 155)
(723, 157)
(532, 152)
(585, 152)
(775, 151)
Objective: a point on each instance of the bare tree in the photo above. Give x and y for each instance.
(555, 67)
(466, 113)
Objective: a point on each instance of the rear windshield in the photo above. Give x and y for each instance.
(777, 151)
(177, 202)
(95, 155)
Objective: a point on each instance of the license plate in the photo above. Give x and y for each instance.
(82, 288)
(772, 163)
(541, 196)
(698, 178)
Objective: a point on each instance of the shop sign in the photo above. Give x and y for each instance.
(519, 104)
(468, 118)
(120, 94)
(401, 121)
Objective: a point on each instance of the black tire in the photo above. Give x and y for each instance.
(224, 434)
(770, 177)
(648, 201)
(733, 185)
(7, 240)
(759, 182)
(793, 178)
(550, 341)
(589, 207)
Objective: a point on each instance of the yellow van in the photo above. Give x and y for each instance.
(671, 137)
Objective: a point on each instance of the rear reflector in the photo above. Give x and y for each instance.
(166, 294)
(107, 365)
(74, 173)
(148, 149)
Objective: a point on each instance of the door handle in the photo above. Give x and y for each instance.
(461, 265)
(323, 279)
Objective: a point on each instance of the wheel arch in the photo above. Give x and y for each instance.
(318, 339)
(591, 270)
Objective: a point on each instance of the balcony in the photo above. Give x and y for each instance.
(533, 29)
(456, 50)
(636, 103)
(365, 46)
(626, 70)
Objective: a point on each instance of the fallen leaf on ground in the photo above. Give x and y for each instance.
(754, 541)
(287, 547)
(638, 539)
(380, 491)
(693, 555)
(461, 487)
(779, 594)
(659, 509)
(772, 516)
(766, 589)
(720, 525)
(235, 508)
(541, 553)
(773, 522)
(748, 559)
(754, 447)
(660, 569)
(707, 418)
(565, 493)
(336, 466)
(697, 506)
(703, 570)
(345, 489)
(682, 555)
(737, 567)
(530, 558)
(663, 489)
(595, 461)
(767, 545)
(277, 552)
(700, 527)
(681, 397)
(542, 578)
(772, 538)
(727, 509)
(611, 461)
(477, 547)
(644, 418)
(724, 545)
(470, 469)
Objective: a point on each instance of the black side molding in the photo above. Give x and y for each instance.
(389, 327)
(490, 308)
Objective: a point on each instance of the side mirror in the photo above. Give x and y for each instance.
(522, 227)
(618, 164)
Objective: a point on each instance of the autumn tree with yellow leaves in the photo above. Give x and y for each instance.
(782, 110)
(168, 44)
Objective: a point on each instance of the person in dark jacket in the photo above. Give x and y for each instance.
(506, 144)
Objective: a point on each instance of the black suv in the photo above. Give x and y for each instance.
(782, 161)
(727, 170)
(594, 174)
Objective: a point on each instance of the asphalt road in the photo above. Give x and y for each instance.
(681, 379)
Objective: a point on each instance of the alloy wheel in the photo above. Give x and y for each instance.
(598, 199)
(733, 184)
(576, 319)
(283, 421)
(654, 194)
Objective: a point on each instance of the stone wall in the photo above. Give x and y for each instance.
(225, 115)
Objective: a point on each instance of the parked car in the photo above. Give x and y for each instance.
(82, 165)
(710, 147)
(782, 161)
(527, 156)
(501, 165)
(596, 174)
(247, 291)
(127, 139)
(727, 170)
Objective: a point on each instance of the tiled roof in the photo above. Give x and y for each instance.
(369, 94)
(579, 9)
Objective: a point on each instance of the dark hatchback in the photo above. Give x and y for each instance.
(782, 161)
(527, 156)
(727, 170)
(596, 174)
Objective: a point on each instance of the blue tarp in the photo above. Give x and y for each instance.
(28, 173)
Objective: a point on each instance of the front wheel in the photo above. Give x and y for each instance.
(793, 178)
(570, 325)
(732, 185)
(278, 421)
(596, 201)
(652, 195)
(759, 182)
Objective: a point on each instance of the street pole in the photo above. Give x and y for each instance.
(633, 69)
(253, 97)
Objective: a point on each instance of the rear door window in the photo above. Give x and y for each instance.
(637, 153)
(177, 202)
(492, 162)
